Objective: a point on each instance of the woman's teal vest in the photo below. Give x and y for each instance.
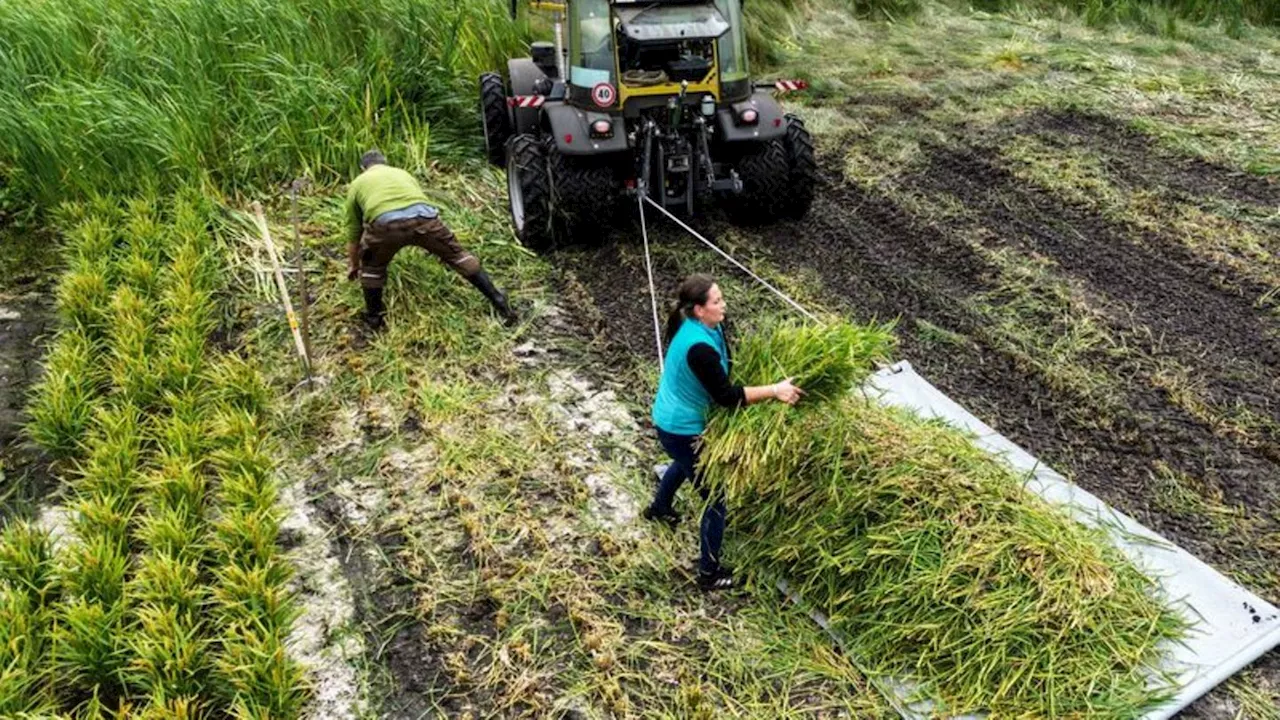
(682, 404)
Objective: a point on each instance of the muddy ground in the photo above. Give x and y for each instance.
(878, 255)
(26, 318)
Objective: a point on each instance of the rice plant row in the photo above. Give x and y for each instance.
(169, 597)
(927, 554)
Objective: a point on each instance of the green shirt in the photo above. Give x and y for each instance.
(379, 189)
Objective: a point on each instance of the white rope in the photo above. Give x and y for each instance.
(653, 292)
(723, 254)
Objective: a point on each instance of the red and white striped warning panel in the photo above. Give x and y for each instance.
(786, 86)
(526, 101)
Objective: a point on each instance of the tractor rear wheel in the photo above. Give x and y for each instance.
(802, 179)
(496, 117)
(765, 172)
(529, 191)
(584, 191)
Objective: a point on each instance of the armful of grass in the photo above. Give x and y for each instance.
(824, 360)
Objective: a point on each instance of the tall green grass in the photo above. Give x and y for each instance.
(109, 95)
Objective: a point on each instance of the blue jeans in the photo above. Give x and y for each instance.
(684, 461)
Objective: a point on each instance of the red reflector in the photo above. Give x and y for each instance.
(631, 183)
(777, 122)
(568, 139)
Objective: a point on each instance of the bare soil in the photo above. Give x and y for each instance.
(26, 318)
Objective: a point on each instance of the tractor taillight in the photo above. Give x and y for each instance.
(749, 116)
(601, 128)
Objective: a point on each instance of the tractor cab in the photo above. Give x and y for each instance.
(649, 49)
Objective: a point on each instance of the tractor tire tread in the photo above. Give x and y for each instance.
(497, 118)
(526, 157)
(765, 172)
(584, 191)
(802, 177)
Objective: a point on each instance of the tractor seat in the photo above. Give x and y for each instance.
(644, 77)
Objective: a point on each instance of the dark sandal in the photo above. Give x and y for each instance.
(670, 517)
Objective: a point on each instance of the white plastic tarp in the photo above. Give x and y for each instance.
(1232, 626)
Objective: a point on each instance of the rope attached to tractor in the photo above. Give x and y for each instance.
(648, 263)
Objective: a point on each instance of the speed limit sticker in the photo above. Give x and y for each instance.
(603, 94)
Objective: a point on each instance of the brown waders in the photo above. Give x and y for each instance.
(382, 240)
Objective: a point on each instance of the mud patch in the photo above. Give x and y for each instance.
(26, 321)
(608, 287)
(323, 637)
(1166, 290)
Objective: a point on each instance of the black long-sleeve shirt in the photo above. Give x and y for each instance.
(704, 361)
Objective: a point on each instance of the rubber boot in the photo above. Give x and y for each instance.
(485, 285)
(374, 312)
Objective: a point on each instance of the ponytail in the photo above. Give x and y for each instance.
(674, 318)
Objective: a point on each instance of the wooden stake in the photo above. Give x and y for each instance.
(284, 289)
(302, 272)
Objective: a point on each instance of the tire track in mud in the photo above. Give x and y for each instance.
(1167, 291)
(1135, 161)
(1157, 295)
(1158, 219)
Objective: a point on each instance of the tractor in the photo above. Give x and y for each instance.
(645, 99)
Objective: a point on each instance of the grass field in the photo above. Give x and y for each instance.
(1070, 210)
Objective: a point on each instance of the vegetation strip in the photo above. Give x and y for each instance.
(170, 595)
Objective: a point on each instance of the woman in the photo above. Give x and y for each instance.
(696, 374)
